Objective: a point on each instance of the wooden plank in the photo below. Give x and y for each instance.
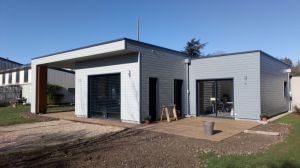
(262, 132)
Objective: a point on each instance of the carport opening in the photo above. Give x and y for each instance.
(55, 89)
(215, 98)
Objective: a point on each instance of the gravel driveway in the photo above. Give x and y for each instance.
(140, 148)
(40, 134)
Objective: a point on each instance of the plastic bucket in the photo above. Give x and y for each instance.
(209, 127)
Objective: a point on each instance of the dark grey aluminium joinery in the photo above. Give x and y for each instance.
(104, 96)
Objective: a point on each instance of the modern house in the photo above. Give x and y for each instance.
(127, 80)
(16, 83)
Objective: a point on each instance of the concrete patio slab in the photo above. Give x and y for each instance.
(193, 127)
(187, 127)
(70, 115)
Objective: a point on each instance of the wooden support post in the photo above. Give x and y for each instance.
(174, 112)
(41, 88)
(165, 111)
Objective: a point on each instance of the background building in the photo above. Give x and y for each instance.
(15, 83)
(295, 88)
(6, 64)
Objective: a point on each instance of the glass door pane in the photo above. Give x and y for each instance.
(104, 96)
(206, 97)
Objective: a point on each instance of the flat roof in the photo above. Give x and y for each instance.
(27, 66)
(243, 52)
(5, 59)
(15, 68)
(112, 41)
(159, 47)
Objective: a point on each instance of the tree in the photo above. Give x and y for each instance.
(193, 48)
(53, 93)
(287, 61)
(296, 69)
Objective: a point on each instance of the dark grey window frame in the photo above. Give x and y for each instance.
(215, 80)
(18, 77)
(26, 75)
(3, 78)
(91, 97)
(10, 78)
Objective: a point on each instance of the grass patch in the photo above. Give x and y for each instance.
(11, 116)
(60, 108)
(284, 154)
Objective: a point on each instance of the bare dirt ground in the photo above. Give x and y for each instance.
(40, 134)
(139, 148)
(37, 117)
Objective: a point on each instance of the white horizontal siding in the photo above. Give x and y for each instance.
(14, 77)
(6, 78)
(243, 69)
(22, 76)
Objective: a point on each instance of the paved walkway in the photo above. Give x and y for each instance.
(187, 127)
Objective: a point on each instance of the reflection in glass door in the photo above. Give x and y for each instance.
(215, 98)
(104, 96)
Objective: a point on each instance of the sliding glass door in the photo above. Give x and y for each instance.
(104, 96)
(215, 98)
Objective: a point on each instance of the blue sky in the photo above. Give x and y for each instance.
(30, 28)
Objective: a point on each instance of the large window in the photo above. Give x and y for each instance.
(17, 77)
(10, 78)
(215, 98)
(104, 96)
(25, 75)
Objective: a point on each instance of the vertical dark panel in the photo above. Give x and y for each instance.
(178, 95)
(153, 98)
(18, 77)
(41, 89)
(3, 79)
(26, 75)
(205, 91)
(10, 77)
